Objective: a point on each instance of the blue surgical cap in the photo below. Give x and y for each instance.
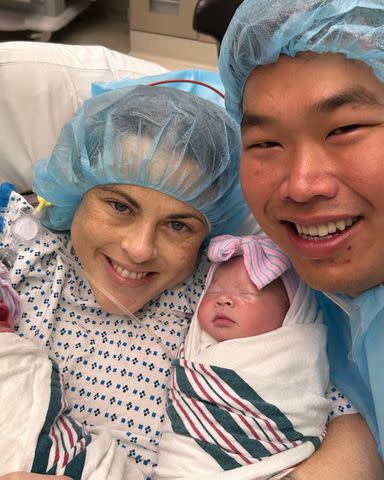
(262, 30)
(202, 76)
(156, 137)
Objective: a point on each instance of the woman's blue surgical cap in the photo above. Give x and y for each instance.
(156, 137)
(262, 30)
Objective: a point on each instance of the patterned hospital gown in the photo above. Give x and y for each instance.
(116, 370)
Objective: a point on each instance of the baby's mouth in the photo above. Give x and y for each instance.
(324, 231)
(222, 320)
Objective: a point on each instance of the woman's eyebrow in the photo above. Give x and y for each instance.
(127, 197)
(133, 202)
(186, 216)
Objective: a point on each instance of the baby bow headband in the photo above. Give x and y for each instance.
(263, 260)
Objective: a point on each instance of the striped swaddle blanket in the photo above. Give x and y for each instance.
(226, 417)
(37, 433)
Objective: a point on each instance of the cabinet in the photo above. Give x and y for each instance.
(165, 17)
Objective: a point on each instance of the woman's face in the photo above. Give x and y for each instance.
(135, 242)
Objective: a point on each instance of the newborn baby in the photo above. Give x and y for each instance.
(247, 395)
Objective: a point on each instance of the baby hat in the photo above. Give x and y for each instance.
(263, 260)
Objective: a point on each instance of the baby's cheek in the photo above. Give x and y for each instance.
(204, 314)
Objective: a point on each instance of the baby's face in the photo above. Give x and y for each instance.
(233, 307)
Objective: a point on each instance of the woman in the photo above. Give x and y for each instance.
(142, 177)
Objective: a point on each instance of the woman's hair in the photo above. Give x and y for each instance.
(156, 137)
(262, 30)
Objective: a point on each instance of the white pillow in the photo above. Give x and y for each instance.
(41, 86)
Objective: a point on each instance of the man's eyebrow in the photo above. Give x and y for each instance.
(251, 119)
(128, 198)
(351, 96)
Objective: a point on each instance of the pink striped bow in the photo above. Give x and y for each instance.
(263, 260)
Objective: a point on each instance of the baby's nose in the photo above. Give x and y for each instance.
(225, 301)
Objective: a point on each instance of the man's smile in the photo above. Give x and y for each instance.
(321, 241)
(319, 231)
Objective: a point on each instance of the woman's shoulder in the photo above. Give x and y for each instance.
(22, 233)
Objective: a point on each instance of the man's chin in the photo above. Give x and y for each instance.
(331, 283)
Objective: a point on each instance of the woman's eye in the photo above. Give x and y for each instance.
(345, 129)
(119, 207)
(179, 226)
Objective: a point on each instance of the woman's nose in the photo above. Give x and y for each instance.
(309, 176)
(140, 244)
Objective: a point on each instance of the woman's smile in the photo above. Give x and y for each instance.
(132, 276)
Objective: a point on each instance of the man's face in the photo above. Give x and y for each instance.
(312, 168)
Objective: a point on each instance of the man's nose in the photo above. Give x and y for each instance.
(309, 176)
(140, 244)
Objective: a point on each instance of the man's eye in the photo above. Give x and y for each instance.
(345, 129)
(263, 145)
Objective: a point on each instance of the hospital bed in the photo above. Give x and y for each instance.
(41, 86)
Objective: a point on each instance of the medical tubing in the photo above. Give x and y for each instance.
(187, 80)
(11, 254)
(122, 307)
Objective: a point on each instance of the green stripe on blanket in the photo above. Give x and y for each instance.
(44, 443)
(221, 424)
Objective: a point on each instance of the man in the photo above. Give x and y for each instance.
(304, 79)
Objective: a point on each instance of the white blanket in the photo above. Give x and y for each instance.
(248, 408)
(36, 434)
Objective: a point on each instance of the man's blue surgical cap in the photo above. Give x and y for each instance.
(156, 137)
(262, 30)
